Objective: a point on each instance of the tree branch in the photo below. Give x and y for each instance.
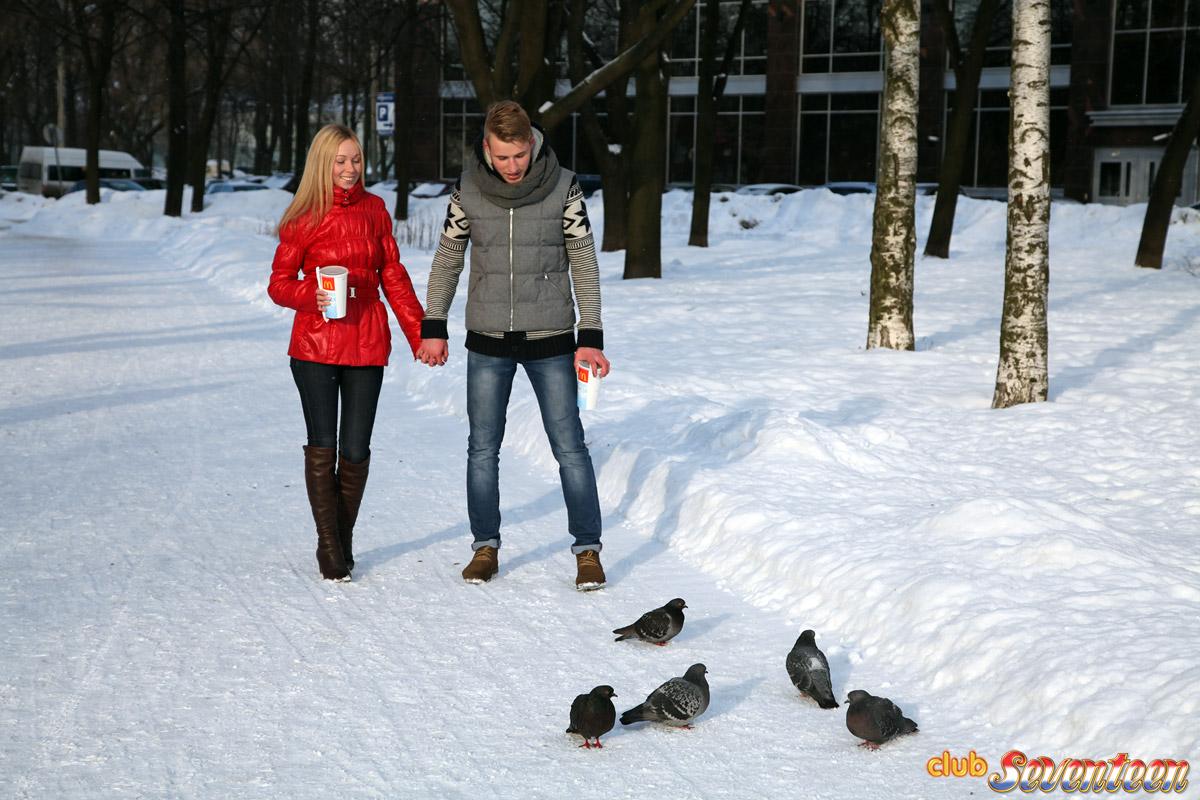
(620, 66)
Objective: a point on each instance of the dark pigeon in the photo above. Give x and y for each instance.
(809, 670)
(677, 702)
(593, 715)
(658, 626)
(875, 719)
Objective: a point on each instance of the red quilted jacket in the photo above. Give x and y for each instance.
(356, 234)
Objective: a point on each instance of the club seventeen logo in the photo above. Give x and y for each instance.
(1043, 774)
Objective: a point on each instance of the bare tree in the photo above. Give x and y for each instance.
(1023, 374)
(967, 68)
(710, 90)
(177, 115)
(607, 143)
(893, 241)
(501, 73)
(643, 251)
(1168, 182)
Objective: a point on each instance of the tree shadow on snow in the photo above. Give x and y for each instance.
(543, 506)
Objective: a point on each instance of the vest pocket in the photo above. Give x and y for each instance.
(563, 293)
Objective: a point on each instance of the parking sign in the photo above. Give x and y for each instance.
(385, 112)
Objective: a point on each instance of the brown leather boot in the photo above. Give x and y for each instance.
(589, 574)
(484, 564)
(352, 479)
(321, 482)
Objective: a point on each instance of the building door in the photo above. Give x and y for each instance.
(1126, 175)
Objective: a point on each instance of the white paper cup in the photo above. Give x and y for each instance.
(333, 280)
(588, 385)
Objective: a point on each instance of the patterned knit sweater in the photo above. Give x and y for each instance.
(448, 264)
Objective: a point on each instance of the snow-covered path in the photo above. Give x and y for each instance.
(165, 633)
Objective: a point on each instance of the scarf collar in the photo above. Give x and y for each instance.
(536, 186)
(347, 197)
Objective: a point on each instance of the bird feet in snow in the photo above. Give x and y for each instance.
(869, 745)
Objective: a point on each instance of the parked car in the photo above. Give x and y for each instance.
(224, 187)
(851, 187)
(116, 184)
(8, 178)
(769, 188)
(52, 171)
(590, 184)
(151, 183)
(437, 188)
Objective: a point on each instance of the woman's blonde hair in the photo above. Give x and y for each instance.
(314, 196)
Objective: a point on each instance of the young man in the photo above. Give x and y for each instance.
(531, 243)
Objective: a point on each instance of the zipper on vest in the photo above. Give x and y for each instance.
(512, 298)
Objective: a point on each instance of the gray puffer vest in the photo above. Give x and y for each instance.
(519, 278)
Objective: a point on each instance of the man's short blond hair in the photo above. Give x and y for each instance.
(508, 122)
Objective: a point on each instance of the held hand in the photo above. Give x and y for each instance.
(433, 352)
(594, 357)
(323, 300)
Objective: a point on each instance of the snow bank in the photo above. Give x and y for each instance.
(1029, 571)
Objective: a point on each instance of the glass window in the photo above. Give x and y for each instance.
(681, 149)
(813, 138)
(725, 149)
(817, 16)
(992, 169)
(1163, 67)
(852, 146)
(753, 136)
(838, 136)
(1110, 178)
(1131, 14)
(1166, 13)
(986, 158)
(999, 45)
(846, 29)
(1128, 68)
(1155, 51)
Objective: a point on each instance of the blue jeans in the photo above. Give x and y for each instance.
(489, 385)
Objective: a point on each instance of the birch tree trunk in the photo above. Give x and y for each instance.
(1023, 374)
(894, 237)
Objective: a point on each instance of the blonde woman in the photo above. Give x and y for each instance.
(333, 221)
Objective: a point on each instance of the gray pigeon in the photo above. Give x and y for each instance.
(677, 702)
(658, 626)
(809, 670)
(593, 715)
(875, 719)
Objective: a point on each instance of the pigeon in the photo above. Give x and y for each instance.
(677, 702)
(809, 670)
(658, 626)
(875, 719)
(593, 715)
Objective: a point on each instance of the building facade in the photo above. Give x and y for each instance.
(803, 98)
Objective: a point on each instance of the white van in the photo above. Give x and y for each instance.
(50, 172)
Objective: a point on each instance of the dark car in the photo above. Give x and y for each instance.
(223, 187)
(151, 183)
(433, 189)
(851, 187)
(590, 184)
(8, 178)
(116, 184)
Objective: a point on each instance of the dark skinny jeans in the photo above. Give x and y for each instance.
(319, 386)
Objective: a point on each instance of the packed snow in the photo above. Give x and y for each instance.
(1019, 579)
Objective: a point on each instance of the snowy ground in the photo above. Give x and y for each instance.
(1018, 579)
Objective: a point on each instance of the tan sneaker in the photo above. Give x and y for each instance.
(589, 575)
(484, 564)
